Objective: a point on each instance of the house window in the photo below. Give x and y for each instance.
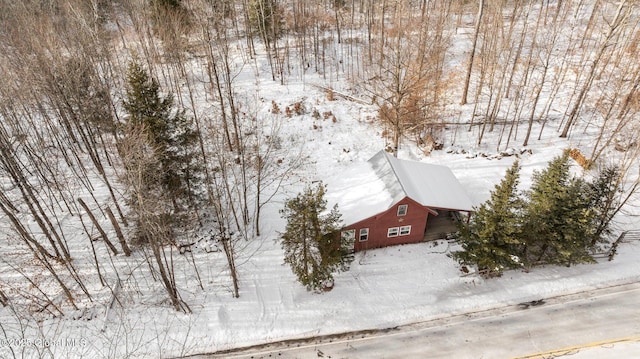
(364, 234)
(349, 234)
(402, 210)
(392, 232)
(405, 230)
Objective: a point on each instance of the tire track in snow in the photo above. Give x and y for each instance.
(266, 315)
(260, 298)
(365, 287)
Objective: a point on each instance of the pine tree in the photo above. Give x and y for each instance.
(170, 134)
(311, 243)
(492, 238)
(559, 226)
(603, 193)
(145, 106)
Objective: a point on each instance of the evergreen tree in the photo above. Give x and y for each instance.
(492, 238)
(170, 134)
(312, 246)
(559, 220)
(603, 193)
(146, 107)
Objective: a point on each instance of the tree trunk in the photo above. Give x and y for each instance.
(3, 299)
(116, 227)
(98, 227)
(228, 250)
(93, 251)
(614, 25)
(476, 31)
(164, 275)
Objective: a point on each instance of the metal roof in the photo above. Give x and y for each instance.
(369, 188)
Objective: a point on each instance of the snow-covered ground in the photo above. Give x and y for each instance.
(384, 287)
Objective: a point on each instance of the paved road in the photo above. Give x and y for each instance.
(570, 323)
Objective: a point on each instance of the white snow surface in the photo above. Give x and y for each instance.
(366, 189)
(358, 192)
(430, 185)
(384, 287)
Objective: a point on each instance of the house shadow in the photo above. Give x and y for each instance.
(441, 226)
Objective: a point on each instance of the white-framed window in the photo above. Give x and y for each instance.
(364, 234)
(349, 234)
(405, 230)
(392, 232)
(402, 209)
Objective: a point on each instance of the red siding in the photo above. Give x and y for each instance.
(379, 224)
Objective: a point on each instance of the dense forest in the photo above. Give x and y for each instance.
(125, 129)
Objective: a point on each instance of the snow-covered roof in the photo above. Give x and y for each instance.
(369, 188)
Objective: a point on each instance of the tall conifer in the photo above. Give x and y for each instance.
(170, 133)
(603, 193)
(559, 221)
(491, 239)
(312, 246)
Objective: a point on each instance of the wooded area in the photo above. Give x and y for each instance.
(87, 87)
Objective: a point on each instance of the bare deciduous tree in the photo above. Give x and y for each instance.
(407, 80)
(472, 53)
(149, 206)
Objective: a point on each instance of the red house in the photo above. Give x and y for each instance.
(386, 201)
